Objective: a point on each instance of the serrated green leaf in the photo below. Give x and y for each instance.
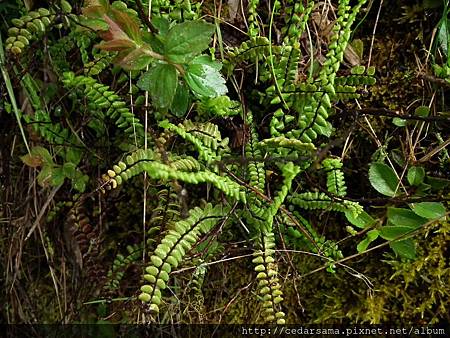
(188, 39)
(205, 81)
(161, 24)
(206, 60)
(405, 248)
(405, 217)
(161, 82)
(383, 179)
(415, 175)
(429, 210)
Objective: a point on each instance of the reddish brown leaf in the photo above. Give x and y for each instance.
(115, 32)
(127, 24)
(115, 45)
(32, 161)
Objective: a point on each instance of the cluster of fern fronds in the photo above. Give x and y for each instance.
(228, 166)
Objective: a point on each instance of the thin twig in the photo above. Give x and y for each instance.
(395, 113)
(42, 212)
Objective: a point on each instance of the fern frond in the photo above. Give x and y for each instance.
(285, 69)
(101, 61)
(315, 109)
(296, 18)
(185, 163)
(290, 171)
(32, 26)
(120, 265)
(296, 239)
(269, 287)
(256, 170)
(83, 240)
(256, 175)
(251, 50)
(172, 249)
(253, 27)
(338, 42)
(316, 200)
(101, 97)
(335, 176)
(175, 10)
(359, 76)
(283, 142)
(205, 137)
(142, 160)
(163, 215)
(41, 121)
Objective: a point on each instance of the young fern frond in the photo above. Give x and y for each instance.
(296, 18)
(172, 249)
(338, 43)
(83, 239)
(346, 86)
(294, 238)
(335, 176)
(287, 143)
(253, 27)
(175, 10)
(360, 76)
(317, 107)
(120, 264)
(285, 70)
(290, 171)
(163, 215)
